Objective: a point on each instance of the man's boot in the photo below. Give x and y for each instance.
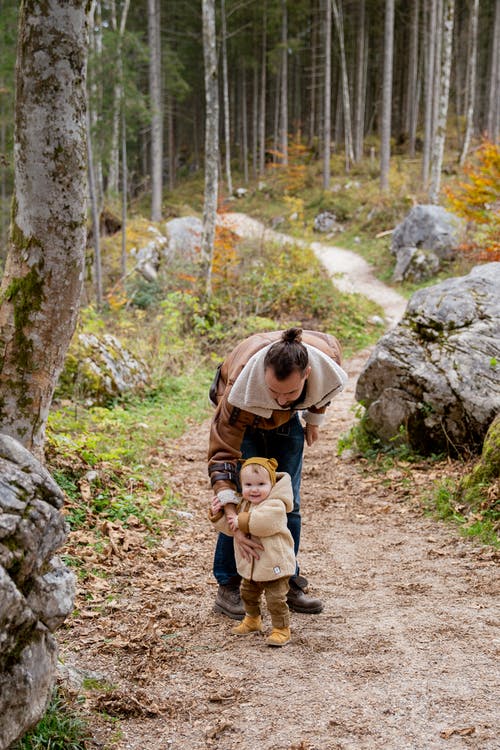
(298, 601)
(228, 601)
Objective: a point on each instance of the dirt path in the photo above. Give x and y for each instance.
(403, 657)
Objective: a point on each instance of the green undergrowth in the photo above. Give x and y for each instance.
(61, 728)
(478, 518)
(110, 461)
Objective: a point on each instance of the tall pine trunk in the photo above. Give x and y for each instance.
(359, 116)
(211, 141)
(327, 115)
(284, 84)
(156, 108)
(385, 135)
(444, 89)
(471, 79)
(225, 87)
(339, 23)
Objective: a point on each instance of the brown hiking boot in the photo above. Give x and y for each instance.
(228, 602)
(298, 601)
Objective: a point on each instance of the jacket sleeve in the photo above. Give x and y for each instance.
(219, 522)
(224, 448)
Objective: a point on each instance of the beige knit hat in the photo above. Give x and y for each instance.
(270, 464)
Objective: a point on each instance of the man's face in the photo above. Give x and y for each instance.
(286, 391)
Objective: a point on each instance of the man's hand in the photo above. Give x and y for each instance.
(248, 547)
(312, 433)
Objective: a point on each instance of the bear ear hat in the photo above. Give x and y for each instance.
(270, 464)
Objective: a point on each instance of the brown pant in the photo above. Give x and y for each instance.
(275, 593)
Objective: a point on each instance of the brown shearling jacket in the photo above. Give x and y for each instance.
(230, 421)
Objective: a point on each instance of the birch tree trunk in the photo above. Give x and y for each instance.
(225, 88)
(493, 114)
(284, 84)
(42, 282)
(411, 115)
(211, 141)
(327, 116)
(430, 66)
(263, 89)
(440, 136)
(156, 108)
(471, 79)
(385, 135)
(339, 23)
(359, 117)
(114, 157)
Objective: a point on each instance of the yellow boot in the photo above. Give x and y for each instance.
(279, 637)
(248, 625)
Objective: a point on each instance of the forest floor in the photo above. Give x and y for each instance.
(403, 657)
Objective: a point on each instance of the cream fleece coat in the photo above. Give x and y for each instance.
(265, 522)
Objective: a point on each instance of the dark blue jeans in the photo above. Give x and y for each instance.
(286, 445)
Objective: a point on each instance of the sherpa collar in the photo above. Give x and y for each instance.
(249, 391)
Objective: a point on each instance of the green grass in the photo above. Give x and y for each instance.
(115, 444)
(60, 728)
(480, 524)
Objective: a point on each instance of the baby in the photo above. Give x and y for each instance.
(267, 497)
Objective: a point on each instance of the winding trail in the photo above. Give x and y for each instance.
(348, 270)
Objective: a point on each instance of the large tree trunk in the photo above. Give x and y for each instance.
(156, 109)
(444, 89)
(211, 140)
(385, 134)
(43, 277)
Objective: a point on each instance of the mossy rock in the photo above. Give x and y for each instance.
(100, 370)
(478, 487)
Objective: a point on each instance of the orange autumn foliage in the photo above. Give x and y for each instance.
(477, 199)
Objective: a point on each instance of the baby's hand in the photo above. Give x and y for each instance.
(232, 521)
(216, 505)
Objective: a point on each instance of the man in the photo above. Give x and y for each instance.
(259, 391)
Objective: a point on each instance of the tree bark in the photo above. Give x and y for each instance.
(263, 92)
(385, 135)
(359, 118)
(493, 114)
(440, 136)
(225, 88)
(339, 22)
(211, 141)
(327, 116)
(156, 108)
(42, 282)
(430, 66)
(471, 80)
(284, 84)
(114, 157)
(411, 116)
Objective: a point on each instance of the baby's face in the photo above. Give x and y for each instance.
(255, 483)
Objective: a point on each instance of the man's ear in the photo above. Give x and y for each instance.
(307, 371)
